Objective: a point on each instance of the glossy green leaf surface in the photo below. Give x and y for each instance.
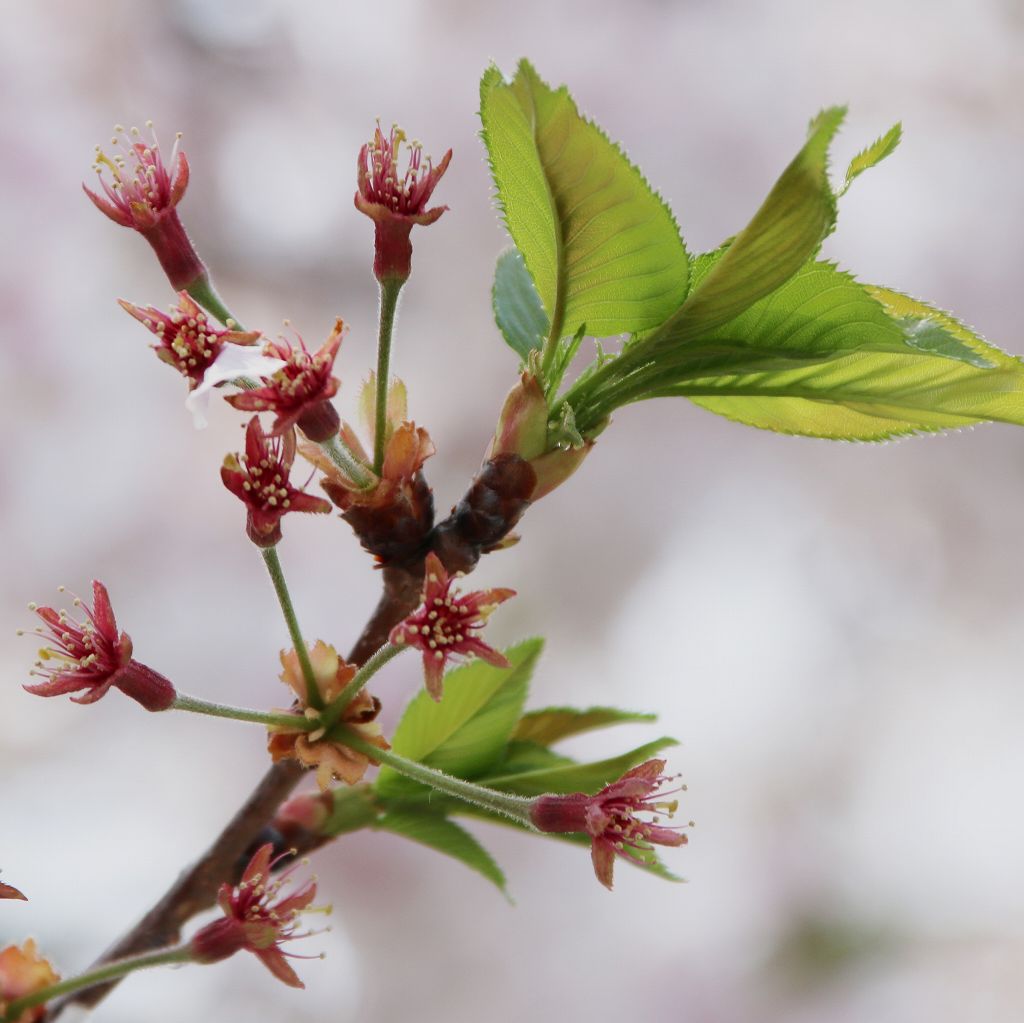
(573, 777)
(468, 730)
(825, 356)
(554, 723)
(784, 233)
(445, 836)
(651, 861)
(601, 246)
(873, 154)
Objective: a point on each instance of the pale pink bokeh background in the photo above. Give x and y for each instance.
(833, 631)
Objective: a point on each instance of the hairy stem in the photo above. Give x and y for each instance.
(196, 888)
(203, 291)
(259, 717)
(516, 807)
(341, 455)
(108, 972)
(273, 563)
(389, 291)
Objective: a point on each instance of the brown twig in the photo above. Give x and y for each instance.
(196, 889)
(497, 498)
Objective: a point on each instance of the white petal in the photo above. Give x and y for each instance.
(234, 361)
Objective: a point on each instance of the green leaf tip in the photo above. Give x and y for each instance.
(929, 335)
(570, 776)
(786, 231)
(601, 246)
(825, 356)
(445, 836)
(552, 724)
(821, 130)
(874, 154)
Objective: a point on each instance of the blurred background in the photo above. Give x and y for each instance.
(833, 631)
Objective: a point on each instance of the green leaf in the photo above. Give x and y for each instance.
(445, 836)
(553, 723)
(827, 357)
(875, 153)
(564, 354)
(574, 777)
(601, 246)
(355, 807)
(467, 731)
(523, 756)
(517, 309)
(785, 232)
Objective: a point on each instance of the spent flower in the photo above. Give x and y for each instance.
(259, 478)
(23, 971)
(143, 194)
(257, 918)
(311, 748)
(446, 625)
(610, 818)
(89, 655)
(396, 201)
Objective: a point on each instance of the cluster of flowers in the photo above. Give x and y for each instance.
(331, 726)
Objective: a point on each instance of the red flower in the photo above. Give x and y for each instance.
(299, 393)
(24, 972)
(143, 196)
(186, 339)
(91, 655)
(446, 624)
(609, 817)
(254, 921)
(395, 201)
(260, 480)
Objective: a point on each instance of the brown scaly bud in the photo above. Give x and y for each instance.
(487, 513)
(523, 464)
(394, 515)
